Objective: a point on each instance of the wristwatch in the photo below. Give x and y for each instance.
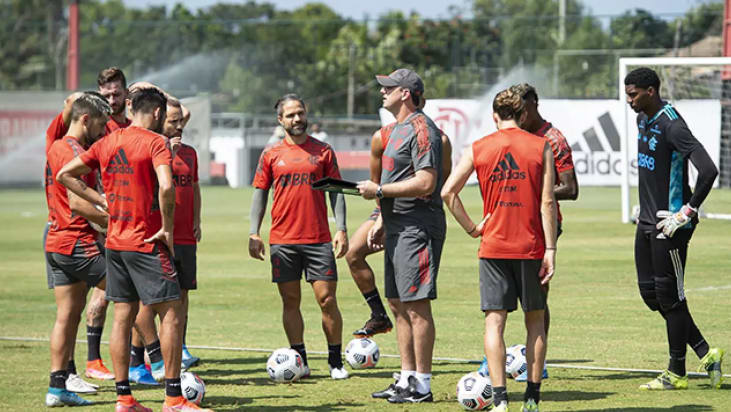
(379, 192)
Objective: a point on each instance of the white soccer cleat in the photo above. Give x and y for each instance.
(74, 383)
(338, 373)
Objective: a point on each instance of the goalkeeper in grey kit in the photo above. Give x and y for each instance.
(668, 216)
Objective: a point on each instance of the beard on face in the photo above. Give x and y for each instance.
(297, 130)
(119, 108)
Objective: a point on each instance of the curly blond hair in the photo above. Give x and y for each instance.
(508, 104)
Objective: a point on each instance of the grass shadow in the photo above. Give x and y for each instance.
(568, 396)
(676, 408)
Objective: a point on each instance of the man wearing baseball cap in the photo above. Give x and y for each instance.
(415, 227)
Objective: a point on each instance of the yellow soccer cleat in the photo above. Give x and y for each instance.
(711, 363)
(666, 381)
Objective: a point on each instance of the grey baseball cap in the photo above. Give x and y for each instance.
(406, 78)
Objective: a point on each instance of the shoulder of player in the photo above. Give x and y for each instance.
(554, 134)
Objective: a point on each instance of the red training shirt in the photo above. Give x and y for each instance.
(113, 125)
(299, 213)
(66, 228)
(128, 158)
(509, 165)
(185, 174)
(562, 158)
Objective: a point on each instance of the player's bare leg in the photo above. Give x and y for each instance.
(365, 280)
(124, 317)
(294, 326)
(332, 325)
(495, 351)
(405, 338)
(145, 331)
(536, 344)
(188, 359)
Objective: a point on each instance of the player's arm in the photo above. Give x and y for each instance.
(567, 187)
(258, 207)
(446, 156)
(376, 163)
(707, 173)
(340, 241)
(197, 212)
(450, 194)
(548, 215)
(86, 210)
(70, 176)
(166, 198)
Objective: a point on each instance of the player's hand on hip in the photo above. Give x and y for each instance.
(164, 237)
(548, 266)
(480, 227)
(367, 189)
(340, 244)
(670, 222)
(257, 250)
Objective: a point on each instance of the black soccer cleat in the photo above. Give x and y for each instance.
(375, 325)
(390, 391)
(411, 395)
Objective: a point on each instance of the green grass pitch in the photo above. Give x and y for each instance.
(598, 319)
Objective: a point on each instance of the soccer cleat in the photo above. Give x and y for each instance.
(666, 381)
(74, 383)
(338, 373)
(158, 370)
(183, 406)
(134, 406)
(529, 406)
(411, 395)
(390, 391)
(306, 373)
(375, 325)
(140, 374)
(503, 407)
(188, 360)
(711, 363)
(483, 369)
(96, 370)
(62, 397)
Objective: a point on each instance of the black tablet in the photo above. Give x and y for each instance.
(329, 184)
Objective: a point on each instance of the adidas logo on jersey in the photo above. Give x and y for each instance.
(507, 169)
(119, 164)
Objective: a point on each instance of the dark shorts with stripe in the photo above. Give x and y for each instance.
(149, 277)
(85, 264)
(504, 281)
(316, 260)
(660, 263)
(412, 264)
(185, 265)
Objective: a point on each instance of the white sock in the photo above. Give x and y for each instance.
(424, 380)
(403, 381)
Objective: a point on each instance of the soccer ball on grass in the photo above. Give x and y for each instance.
(193, 387)
(362, 353)
(474, 392)
(285, 365)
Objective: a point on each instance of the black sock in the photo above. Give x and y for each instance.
(58, 379)
(71, 368)
(94, 339)
(334, 358)
(172, 387)
(696, 340)
(676, 365)
(300, 348)
(136, 356)
(154, 352)
(499, 394)
(533, 391)
(373, 298)
(123, 388)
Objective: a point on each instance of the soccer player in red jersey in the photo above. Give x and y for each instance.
(134, 161)
(517, 252)
(300, 236)
(415, 230)
(359, 248)
(113, 86)
(74, 261)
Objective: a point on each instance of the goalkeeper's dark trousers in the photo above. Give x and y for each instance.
(660, 264)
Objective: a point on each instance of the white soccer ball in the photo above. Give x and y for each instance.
(285, 365)
(193, 387)
(515, 361)
(362, 353)
(474, 392)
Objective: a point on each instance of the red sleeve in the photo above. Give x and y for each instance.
(91, 157)
(195, 166)
(561, 151)
(331, 164)
(263, 177)
(160, 153)
(56, 130)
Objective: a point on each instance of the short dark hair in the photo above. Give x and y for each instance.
(508, 104)
(643, 77)
(278, 106)
(91, 103)
(147, 100)
(111, 74)
(526, 90)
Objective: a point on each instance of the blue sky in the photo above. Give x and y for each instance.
(438, 8)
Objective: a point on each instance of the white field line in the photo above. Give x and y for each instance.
(709, 288)
(436, 358)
